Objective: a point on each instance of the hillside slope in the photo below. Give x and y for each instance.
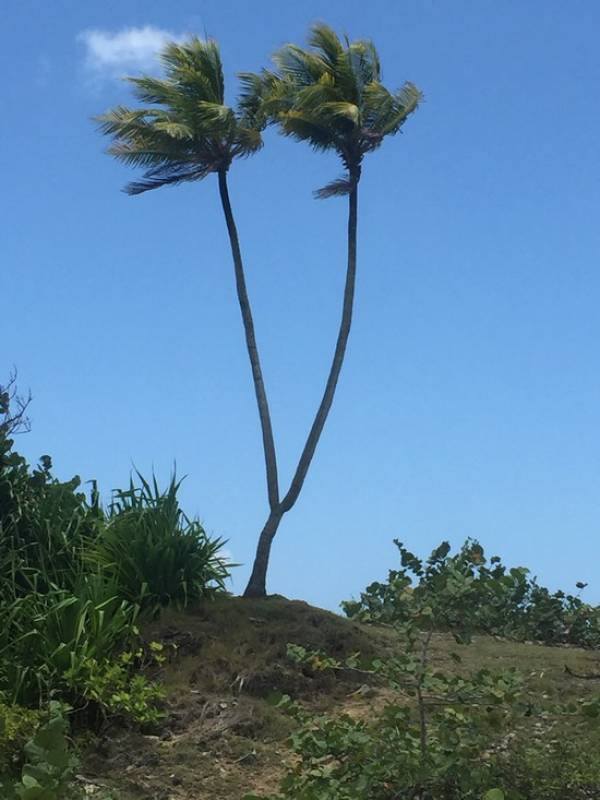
(223, 736)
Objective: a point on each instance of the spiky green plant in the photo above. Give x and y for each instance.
(331, 97)
(154, 552)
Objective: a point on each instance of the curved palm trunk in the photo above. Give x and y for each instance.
(257, 583)
(259, 386)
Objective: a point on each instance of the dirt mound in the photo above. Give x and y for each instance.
(227, 664)
(223, 737)
(239, 646)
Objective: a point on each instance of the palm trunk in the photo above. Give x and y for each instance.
(259, 386)
(257, 583)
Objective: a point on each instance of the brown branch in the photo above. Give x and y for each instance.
(590, 676)
(13, 408)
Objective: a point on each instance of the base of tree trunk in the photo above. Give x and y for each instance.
(254, 591)
(257, 585)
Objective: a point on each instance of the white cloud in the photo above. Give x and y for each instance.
(113, 53)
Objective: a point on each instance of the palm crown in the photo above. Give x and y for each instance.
(331, 96)
(188, 131)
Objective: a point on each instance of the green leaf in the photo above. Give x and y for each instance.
(494, 794)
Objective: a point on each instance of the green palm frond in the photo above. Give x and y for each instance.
(326, 42)
(153, 90)
(301, 66)
(342, 108)
(185, 130)
(331, 96)
(365, 62)
(173, 129)
(303, 127)
(196, 64)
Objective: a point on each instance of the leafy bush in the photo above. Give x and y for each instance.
(432, 742)
(44, 527)
(489, 598)
(428, 747)
(17, 727)
(74, 579)
(49, 762)
(116, 686)
(443, 735)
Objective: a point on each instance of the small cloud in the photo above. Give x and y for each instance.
(111, 53)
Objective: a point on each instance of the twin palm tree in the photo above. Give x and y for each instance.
(329, 96)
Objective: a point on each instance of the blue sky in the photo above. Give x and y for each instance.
(469, 404)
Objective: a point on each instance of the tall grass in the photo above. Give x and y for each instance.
(155, 553)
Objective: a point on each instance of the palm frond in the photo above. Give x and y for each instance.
(303, 128)
(346, 80)
(339, 187)
(167, 175)
(215, 113)
(303, 67)
(409, 97)
(143, 156)
(249, 141)
(331, 96)
(121, 121)
(310, 99)
(257, 92)
(252, 90)
(184, 131)
(341, 108)
(174, 129)
(195, 59)
(326, 41)
(148, 89)
(365, 61)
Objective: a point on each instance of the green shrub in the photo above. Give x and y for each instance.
(17, 726)
(486, 597)
(45, 526)
(50, 764)
(74, 579)
(116, 686)
(444, 736)
(44, 635)
(155, 553)
(433, 742)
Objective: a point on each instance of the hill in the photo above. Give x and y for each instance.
(224, 737)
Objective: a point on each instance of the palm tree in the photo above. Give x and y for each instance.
(331, 97)
(185, 134)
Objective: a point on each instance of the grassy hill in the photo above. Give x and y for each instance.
(223, 735)
(190, 708)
